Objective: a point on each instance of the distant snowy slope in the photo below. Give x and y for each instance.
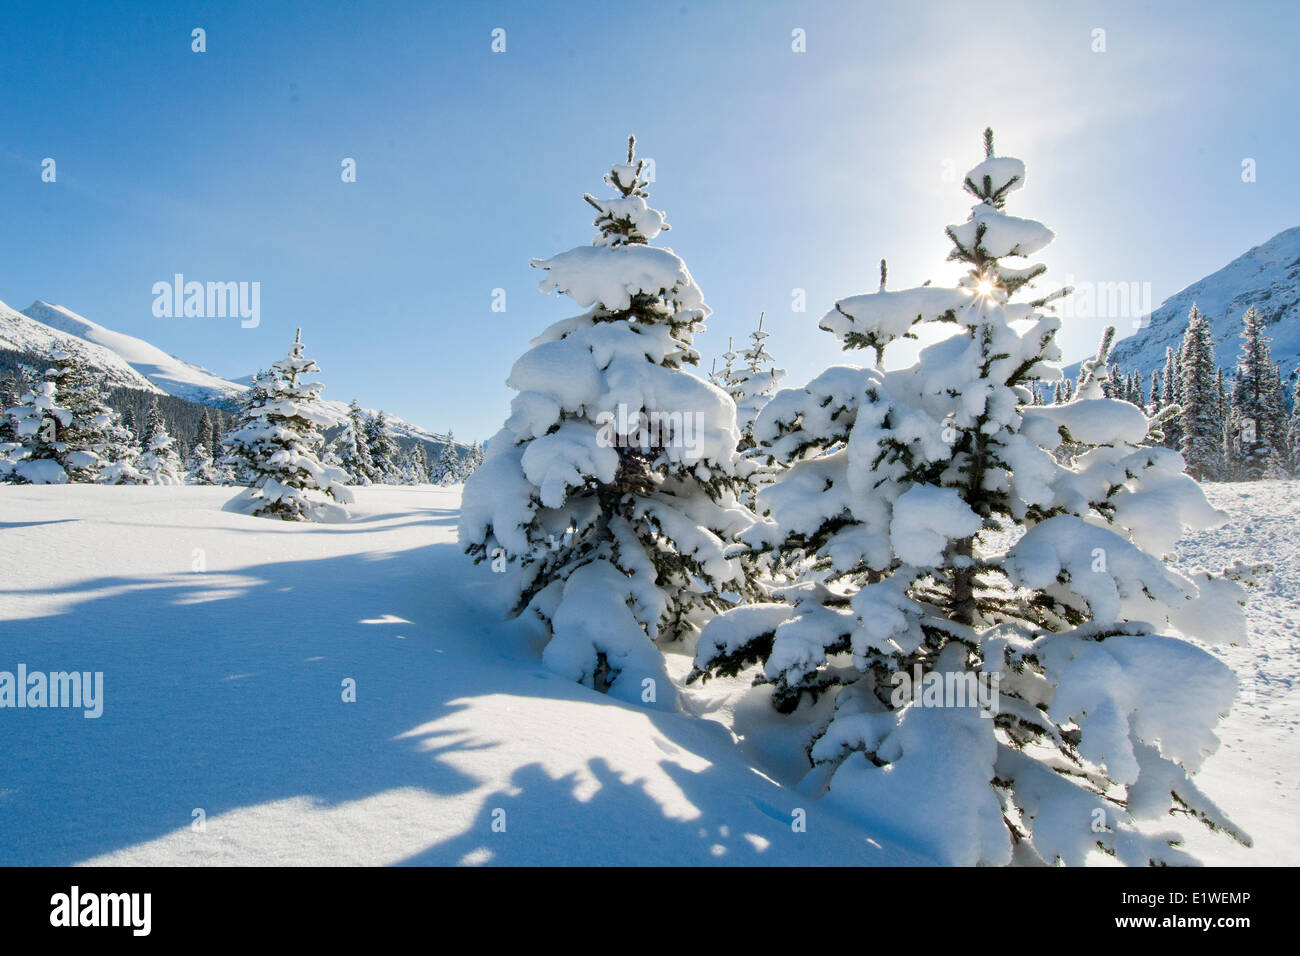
(174, 376)
(20, 333)
(134, 363)
(1267, 277)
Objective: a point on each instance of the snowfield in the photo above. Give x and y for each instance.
(226, 642)
(223, 694)
(1256, 773)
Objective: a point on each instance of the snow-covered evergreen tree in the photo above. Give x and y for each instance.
(1200, 425)
(200, 469)
(447, 470)
(352, 448)
(753, 385)
(412, 468)
(160, 464)
(13, 386)
(233, 463)
(383, 451)
(92, 439)
(36, 454)
(280, 440)
(1258, 405)
(946, 556)
(1293, 430)
(723, 377)
(1227, 447)
(208, 433)
(609, 495)
(1171, 387)
(87, 436)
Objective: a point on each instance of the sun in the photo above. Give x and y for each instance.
(984, 288)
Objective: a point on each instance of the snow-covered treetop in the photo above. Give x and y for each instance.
(990, 234)
(995, 177)
(626, 219)
(620, 276)
(874, 320)
(281, 392)
(295, 364)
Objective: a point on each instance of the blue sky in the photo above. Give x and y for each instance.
(777, 170)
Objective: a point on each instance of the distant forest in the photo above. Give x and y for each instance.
(184, 419)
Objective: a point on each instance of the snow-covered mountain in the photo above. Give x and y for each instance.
(131, 362)
(23, 334)
(174, 376)
(1267, 277)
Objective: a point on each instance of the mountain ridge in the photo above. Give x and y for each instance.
(131, 362)
(1266, 276)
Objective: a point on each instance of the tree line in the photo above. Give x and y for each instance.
(56, 410)
(1234, 425)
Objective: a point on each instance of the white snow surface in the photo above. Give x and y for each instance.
(223, 693)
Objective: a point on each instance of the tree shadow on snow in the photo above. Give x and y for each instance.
(221, 695)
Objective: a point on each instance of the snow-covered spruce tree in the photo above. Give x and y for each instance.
(121, 457)
(609, 495)
(329, 456)
(447, 469)
(475, 458)
(722, 377)
(35, 456)
(353, 455)
(93, 438)
(160, 464)
(949, 557)
(418, 461)
(754, 384)
(200, 469)
(1293, 431)
(1279, 421)
(1258, 406)
(352, 449)
(280, 440)
(1171, 387)
(207, 437)
(384, 453)
(13, 387)
(751, 388)
(1200, 425)
(233, 463)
